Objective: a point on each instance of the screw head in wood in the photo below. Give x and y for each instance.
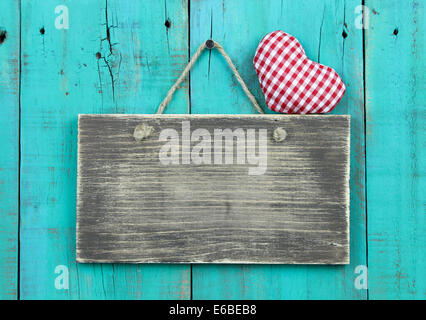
(209, 44)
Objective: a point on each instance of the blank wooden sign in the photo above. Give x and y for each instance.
(213, 188)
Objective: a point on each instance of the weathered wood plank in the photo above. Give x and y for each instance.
(239, 26)
(116, 56)
(396, 184)
(9, 142)
(244, 197)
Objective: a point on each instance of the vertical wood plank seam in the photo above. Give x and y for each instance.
(189, 74)
(189, 111)
(365, 146)
(18, 278)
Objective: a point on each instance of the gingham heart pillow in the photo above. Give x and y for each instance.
(290, 81)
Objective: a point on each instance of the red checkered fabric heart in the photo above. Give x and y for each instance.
(290, 81)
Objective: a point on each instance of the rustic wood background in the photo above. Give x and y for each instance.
(133, 208)
(48, 76)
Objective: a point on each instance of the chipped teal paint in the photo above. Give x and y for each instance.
(9, 144)
(61, 77)
(396, 158)
(239, 26)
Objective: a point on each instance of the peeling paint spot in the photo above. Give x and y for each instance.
(42, 31)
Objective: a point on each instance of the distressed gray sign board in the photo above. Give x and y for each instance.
(213, 189)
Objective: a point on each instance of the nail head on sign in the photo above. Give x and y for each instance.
(142, 131)
(210, 44)
(279, 134)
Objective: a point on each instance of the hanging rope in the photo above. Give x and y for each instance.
(209, 44)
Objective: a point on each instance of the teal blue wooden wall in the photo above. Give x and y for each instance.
(120, 57)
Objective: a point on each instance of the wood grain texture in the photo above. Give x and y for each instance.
(396, 159)
(9, 142)
(62, 75)
(152, 55)
(239, 26)
(134, 207)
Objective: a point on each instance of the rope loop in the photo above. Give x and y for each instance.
(209, 44)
